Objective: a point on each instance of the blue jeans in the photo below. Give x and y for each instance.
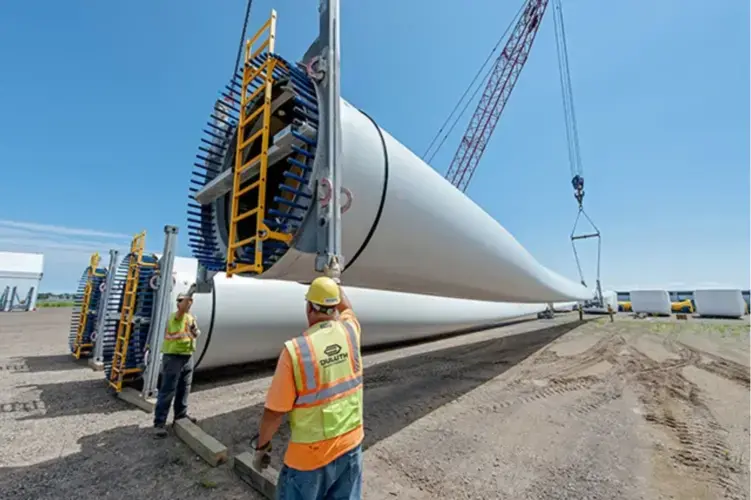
(177, 376)
(338, 480)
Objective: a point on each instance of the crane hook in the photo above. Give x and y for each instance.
(578, 183)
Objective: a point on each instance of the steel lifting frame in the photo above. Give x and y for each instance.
(162, 308)
(5, 299)
(14, 302)
(322, 61)
(97, 360)
(79, 348)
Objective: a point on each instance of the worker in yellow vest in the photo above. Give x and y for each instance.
(177, 365)
(318, 382)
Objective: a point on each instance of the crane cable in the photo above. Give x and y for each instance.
(574, 153)
(242, 39)
(466, 91)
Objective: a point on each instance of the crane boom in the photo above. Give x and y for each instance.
(503, 77)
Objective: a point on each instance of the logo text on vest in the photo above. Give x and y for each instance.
(335, 356)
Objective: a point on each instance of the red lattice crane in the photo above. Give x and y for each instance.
(503, 77)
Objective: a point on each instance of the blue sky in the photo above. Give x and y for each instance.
(103, 103)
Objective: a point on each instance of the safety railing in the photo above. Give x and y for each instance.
(247, 134)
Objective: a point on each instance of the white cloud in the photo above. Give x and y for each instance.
(66, 250)
(61, 230)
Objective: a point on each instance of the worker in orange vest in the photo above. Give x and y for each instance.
(318, 382)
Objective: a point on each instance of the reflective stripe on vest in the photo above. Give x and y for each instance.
(328, 380)
(309, 369)
(180, 341)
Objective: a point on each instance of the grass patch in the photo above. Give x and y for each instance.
(55, 304)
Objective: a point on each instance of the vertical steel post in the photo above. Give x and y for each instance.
(9, 305)
(162, 307)
(104, 299)
(326, 67)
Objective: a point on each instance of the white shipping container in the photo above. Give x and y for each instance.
(726, 303)
(651, 302)
(22, 272)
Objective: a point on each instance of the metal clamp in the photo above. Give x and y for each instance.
(324, 194)
(154, 281)
(316, 68)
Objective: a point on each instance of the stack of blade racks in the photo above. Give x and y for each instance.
(285, 214)
(144, 306)
(93, 307)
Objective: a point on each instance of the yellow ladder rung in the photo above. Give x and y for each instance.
(258, 34)
(255, 113)
(245, 215)
(260, 49)
(252, 72)
(253, 95)
(248, 268)
(245, 166)
(247, 189)
(251, 139)
(274, 235)
(242, 242)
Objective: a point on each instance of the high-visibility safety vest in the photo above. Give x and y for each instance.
(177, 338)
(328, 377)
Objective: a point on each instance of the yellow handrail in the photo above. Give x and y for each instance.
(125, 325)
(251, 71)
(83, 317)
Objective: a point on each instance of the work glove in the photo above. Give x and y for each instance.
(261, 456)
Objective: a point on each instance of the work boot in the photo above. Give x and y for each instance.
(160, 432)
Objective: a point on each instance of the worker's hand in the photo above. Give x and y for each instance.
(261, 457)
(194, 329)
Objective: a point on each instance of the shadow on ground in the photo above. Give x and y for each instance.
(400, 392)
(68, 398)
(120, 462)
(55, 363)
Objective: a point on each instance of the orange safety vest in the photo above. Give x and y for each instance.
(328, 378)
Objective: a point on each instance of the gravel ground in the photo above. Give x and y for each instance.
(539, 409)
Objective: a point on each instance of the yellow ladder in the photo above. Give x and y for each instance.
(83, 318)
(124, 327)
(251, 71)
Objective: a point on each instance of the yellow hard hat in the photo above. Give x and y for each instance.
(323, 291)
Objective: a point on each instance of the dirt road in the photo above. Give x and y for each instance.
(632, 409)
(534, 410)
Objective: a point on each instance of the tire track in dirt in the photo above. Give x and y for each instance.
(556, 387)
(669, 399)
(675, 403)
(719, 366)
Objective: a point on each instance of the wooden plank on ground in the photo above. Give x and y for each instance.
(263, 481)
(205, 445)
(133, 397)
